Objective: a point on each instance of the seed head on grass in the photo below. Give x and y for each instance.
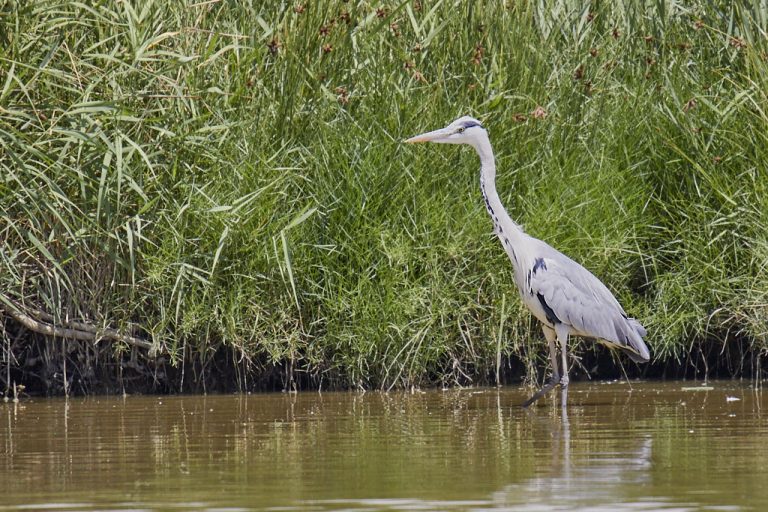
(738, 43)
(274, 46)
(342, 94)
(477, 58)
(539, 113)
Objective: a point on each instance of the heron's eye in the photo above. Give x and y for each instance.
(461, 130)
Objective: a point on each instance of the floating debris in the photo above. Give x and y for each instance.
(698, 388)
(732, 399)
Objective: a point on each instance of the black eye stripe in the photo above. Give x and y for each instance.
(470, 124)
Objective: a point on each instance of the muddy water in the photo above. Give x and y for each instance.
(656, 446)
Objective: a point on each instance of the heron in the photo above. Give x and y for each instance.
(564, 296)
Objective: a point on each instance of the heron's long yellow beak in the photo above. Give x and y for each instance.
(429, 136)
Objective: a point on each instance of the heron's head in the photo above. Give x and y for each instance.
(464, 130)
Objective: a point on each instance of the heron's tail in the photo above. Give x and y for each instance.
(635, 348)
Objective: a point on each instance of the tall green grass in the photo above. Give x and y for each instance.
(226, 180)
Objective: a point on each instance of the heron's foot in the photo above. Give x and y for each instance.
(550, 384)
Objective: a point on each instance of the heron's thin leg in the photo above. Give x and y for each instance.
(553, 381)
(552, 354)
(564, 378)
(562, 336)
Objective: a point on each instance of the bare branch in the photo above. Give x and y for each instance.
(71, 330)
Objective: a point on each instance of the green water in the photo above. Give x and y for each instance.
(655, 446)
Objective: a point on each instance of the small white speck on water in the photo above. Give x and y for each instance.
(732, 399)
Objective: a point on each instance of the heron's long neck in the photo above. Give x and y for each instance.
(509, 232)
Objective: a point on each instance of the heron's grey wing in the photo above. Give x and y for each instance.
(577, 298)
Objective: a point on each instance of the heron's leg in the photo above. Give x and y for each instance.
(551, 337)
(553, 381)
(562, 337)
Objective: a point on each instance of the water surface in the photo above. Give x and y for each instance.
(654, 446)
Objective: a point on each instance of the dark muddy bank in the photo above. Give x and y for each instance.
(45, 366)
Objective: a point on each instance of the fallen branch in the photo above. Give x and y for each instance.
(71, 329)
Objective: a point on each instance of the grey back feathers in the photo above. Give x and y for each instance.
(580, 300)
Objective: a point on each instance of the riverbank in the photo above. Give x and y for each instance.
(215, 196)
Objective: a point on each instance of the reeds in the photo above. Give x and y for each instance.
(227, 178)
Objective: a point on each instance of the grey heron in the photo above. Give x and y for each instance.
(565, 297)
